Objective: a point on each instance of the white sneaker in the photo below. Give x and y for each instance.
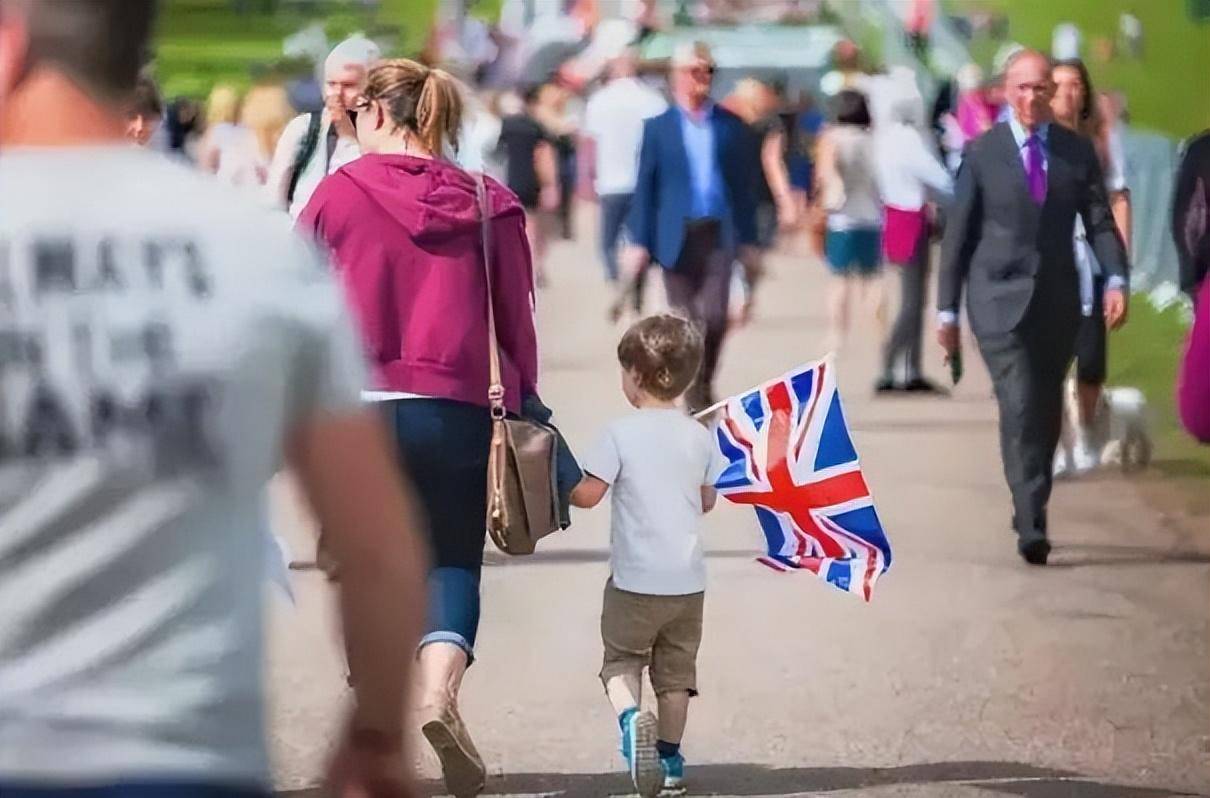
(1084, 456)
(1062, 467)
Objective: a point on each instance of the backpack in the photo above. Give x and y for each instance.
(306, 151)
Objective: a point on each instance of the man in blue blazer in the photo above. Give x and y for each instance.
(694, 208)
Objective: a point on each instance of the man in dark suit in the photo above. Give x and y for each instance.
(694, 207)
(1008, 240)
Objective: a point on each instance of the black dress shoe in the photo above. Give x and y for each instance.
(1035, 551)
(922, 385)
(886, 385)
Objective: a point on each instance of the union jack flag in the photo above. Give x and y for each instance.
(791, 457)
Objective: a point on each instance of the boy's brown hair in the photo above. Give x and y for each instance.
(663, 353)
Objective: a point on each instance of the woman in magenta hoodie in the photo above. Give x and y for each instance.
(1194, 390)
(403, 226)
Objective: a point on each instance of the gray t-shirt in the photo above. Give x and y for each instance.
(656, 462)
(160, 336)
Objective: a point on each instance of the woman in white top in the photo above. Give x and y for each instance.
(266, 112)
(222, 126)
(1075, 106)
(907, 170)
(848, 193)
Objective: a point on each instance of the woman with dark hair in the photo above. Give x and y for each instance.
(404, 228)
(1075, 107)
(848, 193)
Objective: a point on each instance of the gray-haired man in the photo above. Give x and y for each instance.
(314, 145)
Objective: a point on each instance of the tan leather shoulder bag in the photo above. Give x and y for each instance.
(521, 492)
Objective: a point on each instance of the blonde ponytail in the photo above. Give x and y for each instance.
(439, 111)
(423, 101)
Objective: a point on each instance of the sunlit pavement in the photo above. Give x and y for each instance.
(970, 674)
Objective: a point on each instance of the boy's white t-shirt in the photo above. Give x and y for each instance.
(656, 462)
(160, 337)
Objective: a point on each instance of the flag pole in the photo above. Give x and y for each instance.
(701, 414)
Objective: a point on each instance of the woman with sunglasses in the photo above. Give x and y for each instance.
(403, 225)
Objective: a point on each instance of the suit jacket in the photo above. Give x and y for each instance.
(1010, 253)
(663, 195)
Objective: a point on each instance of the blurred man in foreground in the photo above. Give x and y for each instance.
(166, 345)
(315, 145)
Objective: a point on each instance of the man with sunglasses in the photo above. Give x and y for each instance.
(694, 208)
(314, 145)
(165, 344)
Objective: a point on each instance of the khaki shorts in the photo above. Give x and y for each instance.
(659, 632)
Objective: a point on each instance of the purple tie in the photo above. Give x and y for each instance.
(1035, 169)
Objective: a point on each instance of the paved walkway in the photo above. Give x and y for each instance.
(969, 674)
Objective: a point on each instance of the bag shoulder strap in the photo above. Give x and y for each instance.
(495, 390)
(306, 149)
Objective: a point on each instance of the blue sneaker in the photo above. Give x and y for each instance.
(639, 733)
(674, 774)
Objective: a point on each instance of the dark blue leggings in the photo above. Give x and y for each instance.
(443, 447)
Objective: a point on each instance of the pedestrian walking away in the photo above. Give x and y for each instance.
(694, 207)
(908, 171)
(1008, 244)
(848, 193)
(315, 145)
(207, 344)
(404, 228)
(613, 121)
(660, 466)
(532, 172)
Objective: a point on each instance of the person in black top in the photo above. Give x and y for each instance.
(531, 171)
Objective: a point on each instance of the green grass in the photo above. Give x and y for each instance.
(203, 42)
(1146, 354)
(1165, 88)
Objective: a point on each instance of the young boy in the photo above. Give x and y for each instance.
(661, 465)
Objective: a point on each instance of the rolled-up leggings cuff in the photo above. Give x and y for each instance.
(454, 639)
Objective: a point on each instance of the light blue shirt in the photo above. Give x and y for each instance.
(704, 172)
(1021, 136)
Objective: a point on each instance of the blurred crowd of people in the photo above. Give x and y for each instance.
(168, 380)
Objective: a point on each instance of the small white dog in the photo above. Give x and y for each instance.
(1120, 434)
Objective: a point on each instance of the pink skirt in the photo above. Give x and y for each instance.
(902, 233)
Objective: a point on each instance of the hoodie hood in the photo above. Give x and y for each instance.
(428, 197)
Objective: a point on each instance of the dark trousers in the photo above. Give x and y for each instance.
(699, 286)
(1027, 367)
(904, 343)
(614, 208)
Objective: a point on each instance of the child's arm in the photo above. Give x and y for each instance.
(709, 498)
(589, 492)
